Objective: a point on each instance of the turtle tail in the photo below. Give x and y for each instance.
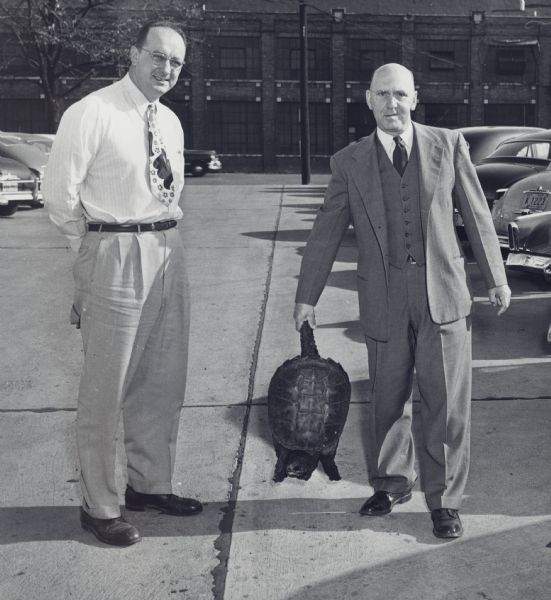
(307, 342)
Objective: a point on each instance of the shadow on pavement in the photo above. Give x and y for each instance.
(61, 523)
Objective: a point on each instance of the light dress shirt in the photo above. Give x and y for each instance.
(98, 167)
(389, 144)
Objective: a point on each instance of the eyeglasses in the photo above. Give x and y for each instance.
(159, 59)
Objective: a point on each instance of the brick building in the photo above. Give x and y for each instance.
(476, 63)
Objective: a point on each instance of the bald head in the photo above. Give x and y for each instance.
(394, 70)
(392, 97)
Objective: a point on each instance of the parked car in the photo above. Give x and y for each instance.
(18, 185)
(14, 147)
(483, 140)
(42, 141)
(199, 162)
(512, 161)
(525, 197)
(529, 239)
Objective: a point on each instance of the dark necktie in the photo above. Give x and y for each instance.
(160, 173)
(400, 155)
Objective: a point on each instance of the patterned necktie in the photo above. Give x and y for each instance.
(160, 173)
(400, 155)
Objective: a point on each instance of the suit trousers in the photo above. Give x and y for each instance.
(132, 295)
(441, 358)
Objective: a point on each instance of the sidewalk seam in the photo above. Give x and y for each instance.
(224, 540)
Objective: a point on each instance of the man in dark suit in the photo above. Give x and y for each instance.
(398, 188)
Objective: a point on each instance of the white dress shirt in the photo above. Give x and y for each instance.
(98, 167)
(389, 144)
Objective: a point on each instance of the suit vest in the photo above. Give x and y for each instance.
(403, 209)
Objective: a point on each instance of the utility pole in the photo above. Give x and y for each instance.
(304, 108)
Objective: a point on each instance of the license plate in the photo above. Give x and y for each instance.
(527, 260)
(536, 201)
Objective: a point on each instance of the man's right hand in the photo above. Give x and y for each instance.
(304, 312)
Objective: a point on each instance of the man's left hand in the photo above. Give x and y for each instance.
(500, 297)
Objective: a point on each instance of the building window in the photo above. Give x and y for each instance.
(360, 121)
(445, 115)
(23, 114)
(288, 58)
(364, 56)
(442, 60)
(233, 57)
(511, 64)
(510, 61)
(288, 128)
(234, 127)
(510, 114)
(182, 109)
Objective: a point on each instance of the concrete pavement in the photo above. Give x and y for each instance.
(257, 540)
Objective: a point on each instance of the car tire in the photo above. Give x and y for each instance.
(7, 210)
(197, 169)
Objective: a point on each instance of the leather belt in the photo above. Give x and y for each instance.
(131, 227)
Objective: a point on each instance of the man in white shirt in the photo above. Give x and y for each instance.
(112, 186)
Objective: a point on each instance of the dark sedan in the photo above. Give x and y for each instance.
(199, 162)
(484, 140)
(512, 161)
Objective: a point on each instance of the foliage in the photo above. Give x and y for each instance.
(66, 43)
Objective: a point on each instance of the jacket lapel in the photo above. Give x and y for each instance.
(365, 173)
(429, 159)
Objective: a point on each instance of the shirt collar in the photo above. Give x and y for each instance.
(387, 140)
(136, 96)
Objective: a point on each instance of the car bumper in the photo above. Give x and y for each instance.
(28, 191)
(534, 263)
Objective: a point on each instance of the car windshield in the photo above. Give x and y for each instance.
(524, 150)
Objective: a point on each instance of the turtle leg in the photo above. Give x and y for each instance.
(329, 466)
(280, 471)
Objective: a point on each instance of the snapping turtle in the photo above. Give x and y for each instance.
(308, 401)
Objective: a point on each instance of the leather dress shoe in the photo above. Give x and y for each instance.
(381, 502)
(169, 504)
(447, 523)
(116, 532)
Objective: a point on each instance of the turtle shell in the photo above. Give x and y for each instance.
(308, 400)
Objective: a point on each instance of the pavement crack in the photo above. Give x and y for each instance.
(223, 542)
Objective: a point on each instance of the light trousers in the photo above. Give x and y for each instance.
(441, 358)
(132, 295)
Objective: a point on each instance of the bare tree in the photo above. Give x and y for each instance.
(64, 44)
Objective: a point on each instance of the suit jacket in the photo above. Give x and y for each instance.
(354, 196)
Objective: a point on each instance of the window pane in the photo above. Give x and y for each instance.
(23, 114)
(233, 57)
(510, 114)
(445, 115)
(442, 60)
(360, 121)
(235, 127)
(288, 130)
(363, 57)
(288, 58)
(510, 61)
